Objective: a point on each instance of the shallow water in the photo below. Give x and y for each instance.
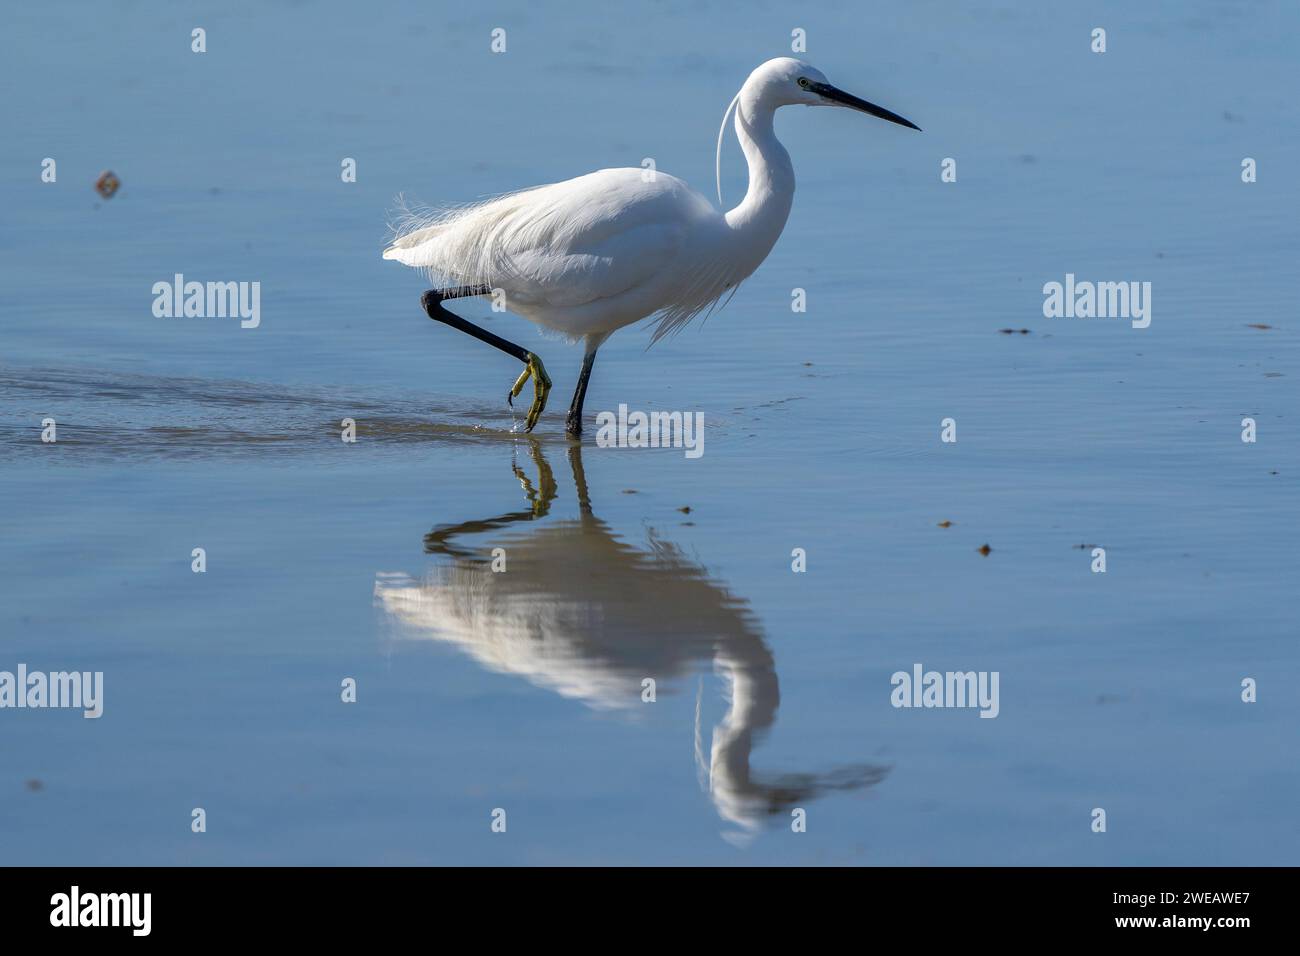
(523, 690)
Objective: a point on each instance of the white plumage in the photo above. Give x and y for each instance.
(584, 256)
(590, 255)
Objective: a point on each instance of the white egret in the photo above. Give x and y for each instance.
(590, 255)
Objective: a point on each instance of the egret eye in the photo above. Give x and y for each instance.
(803, 81)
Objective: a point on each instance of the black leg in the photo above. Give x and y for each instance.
(533, 368)
(573, 423)
(432, 302)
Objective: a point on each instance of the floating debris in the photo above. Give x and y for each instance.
(35, 785)
(629, 491)
(1257, 325)
(945, 524)
(685, 509)
(1086, 547)
(985, 550)
(1014, 331)
(107, 184)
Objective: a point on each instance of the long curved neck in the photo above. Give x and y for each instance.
(766, 206)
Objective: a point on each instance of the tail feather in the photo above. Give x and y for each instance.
(455, 244)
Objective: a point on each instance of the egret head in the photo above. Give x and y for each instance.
(786, 81)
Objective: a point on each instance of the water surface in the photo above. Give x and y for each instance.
(523, 690)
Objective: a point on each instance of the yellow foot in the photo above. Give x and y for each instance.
(541, 389)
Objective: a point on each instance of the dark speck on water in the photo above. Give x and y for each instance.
(107, 184)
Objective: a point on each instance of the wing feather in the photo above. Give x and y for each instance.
(573, 243)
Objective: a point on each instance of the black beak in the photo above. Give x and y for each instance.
(848, 99)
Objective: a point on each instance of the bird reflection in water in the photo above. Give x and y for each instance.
(586, 614)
